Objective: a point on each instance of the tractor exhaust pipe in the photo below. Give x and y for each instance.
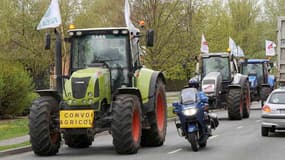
(58, 62)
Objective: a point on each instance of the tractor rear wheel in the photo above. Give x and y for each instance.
(126, 124)
(235, 104)
(77, 141)
(44, 127)
(155, 136)
(246, 101)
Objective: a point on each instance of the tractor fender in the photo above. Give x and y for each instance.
(49, 92)
(129, 90)
(271, 81)
(239, 80)
(151, 95)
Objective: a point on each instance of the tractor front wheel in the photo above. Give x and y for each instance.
(126, 124)
(235, 104)
(155, 136)
(44, 128)
(246, 101)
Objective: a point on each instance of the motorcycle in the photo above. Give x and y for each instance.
(195, 123)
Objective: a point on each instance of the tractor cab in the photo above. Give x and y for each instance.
(257, 71)
(110, 48)
(216, 62)
(261, 83)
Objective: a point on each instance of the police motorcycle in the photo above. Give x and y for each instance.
(195, 123)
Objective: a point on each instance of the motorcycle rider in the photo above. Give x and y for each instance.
(206, 132)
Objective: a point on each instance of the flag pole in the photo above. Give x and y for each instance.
(64, 49)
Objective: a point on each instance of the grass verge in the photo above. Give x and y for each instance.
(2, 148)
(170, 114)
(13, 128)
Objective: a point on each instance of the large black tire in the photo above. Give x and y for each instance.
(203, 145)
(193, 139)
(126, 124)
(264, 131)
(155, 136)
(264, 92)
(235, 104)
(44, 128)
(77, 141)
(246, 100)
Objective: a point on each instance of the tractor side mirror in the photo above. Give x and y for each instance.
(245, 62)
(197, 68)
(149, 38)
(271, 64)
(47, 41)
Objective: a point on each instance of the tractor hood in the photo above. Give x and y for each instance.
(211, 83)
(252, 78)
(85, 86)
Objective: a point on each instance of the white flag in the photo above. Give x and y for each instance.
(204, 45)
(128, 21)
(52, 18)
(240, 52)
(269, 48)
(233, 47)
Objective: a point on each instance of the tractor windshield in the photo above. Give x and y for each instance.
(89, 49)
(217, 64)
(253, 69)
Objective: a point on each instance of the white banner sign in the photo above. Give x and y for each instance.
(204, 45)
(52, 18)
(270, 48)
(128, 21)
(233, 47)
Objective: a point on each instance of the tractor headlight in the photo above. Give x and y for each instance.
(190, 111)
(69, 102)
(90, 94)
(90, 101)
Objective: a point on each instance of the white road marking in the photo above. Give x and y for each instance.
(177, 150)
(258, 120)
(212, 137)
(239, 127)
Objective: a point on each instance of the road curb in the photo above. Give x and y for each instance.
(14, 151)
(20, 150)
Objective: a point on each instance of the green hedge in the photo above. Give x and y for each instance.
(16, 88)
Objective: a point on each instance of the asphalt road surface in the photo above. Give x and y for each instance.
(233, 140)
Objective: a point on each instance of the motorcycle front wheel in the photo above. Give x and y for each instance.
(193, 139)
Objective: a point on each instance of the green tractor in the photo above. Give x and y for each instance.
(107, 89)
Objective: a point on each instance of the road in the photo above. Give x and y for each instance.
(233, 140)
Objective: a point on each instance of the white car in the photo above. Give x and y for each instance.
(273, 112)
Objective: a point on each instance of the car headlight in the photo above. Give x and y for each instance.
(190, 111)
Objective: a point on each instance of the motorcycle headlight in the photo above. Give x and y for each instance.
(190, 111)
